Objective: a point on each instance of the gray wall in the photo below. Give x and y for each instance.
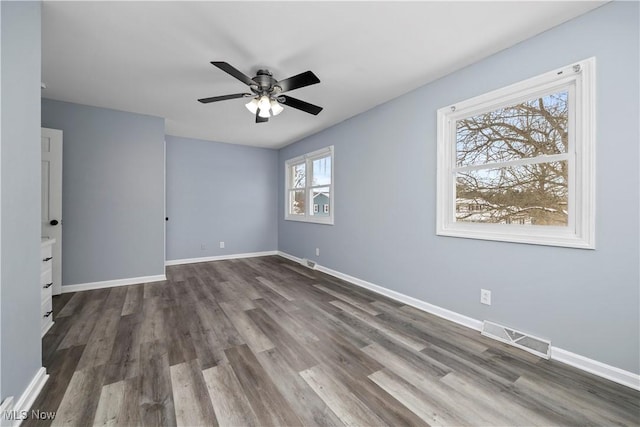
(112, 192)
(20, 188)
(220, 192)
(585, 301)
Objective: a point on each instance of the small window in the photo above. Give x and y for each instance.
(517, 164)
(309, 187)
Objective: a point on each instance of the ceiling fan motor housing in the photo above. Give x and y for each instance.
(265, 81)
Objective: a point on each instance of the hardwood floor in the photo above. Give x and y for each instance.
(264, 341)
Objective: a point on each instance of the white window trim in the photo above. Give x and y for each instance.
(580, 233)
(308, 188)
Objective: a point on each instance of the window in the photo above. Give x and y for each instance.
(309, 187)
(517, 164)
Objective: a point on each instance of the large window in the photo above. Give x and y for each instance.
(309, 187)
(517, 164)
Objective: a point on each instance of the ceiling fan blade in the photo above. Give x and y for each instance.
(223, 97)
(229, 69)
(260, 119)
(300, 80)
(299, 105)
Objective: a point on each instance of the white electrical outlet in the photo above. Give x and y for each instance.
(317, 251)
(221, 245)
(485, 296)
(203, 246)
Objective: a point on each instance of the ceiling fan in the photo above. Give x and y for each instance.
(266, 92)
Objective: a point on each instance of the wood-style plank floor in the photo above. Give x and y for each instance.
(264, 341)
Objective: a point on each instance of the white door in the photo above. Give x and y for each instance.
(52, 199)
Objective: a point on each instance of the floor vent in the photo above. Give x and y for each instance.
(308, 263)
(527, 342)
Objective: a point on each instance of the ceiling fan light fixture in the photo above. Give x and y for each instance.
(276, 108)
(252, 105)
(264, 113)
(264, 103)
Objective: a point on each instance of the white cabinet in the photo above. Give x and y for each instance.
(46, 284)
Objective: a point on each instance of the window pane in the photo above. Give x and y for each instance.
(298, 176)
(527, 195)
(322, 198)
(532, 128)
(322, 171)
(296, 202)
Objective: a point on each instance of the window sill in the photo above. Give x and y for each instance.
(325, 221)
(521, 235)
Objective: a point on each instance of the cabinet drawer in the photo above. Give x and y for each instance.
(46, 277)
(46, 293)
(45, 254)
(46, 284)
(47, 315)
(45, 308)
(45, 251)
(46, 261)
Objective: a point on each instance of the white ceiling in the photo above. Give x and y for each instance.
(153, 57)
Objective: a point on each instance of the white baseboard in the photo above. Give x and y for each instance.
(600, 369)
(13, 413)
(290, 257)
(219, 258)
(112, 283)
(414, 302)
(595, 367)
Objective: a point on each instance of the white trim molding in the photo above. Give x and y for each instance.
(290, 257)
(219, 258)
(594, 367)
(12, 413)
(413, 302)
(112, 283)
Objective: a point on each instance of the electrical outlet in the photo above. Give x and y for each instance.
(317, 251)
(485, 296)
(221, 245)
(203, 246)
